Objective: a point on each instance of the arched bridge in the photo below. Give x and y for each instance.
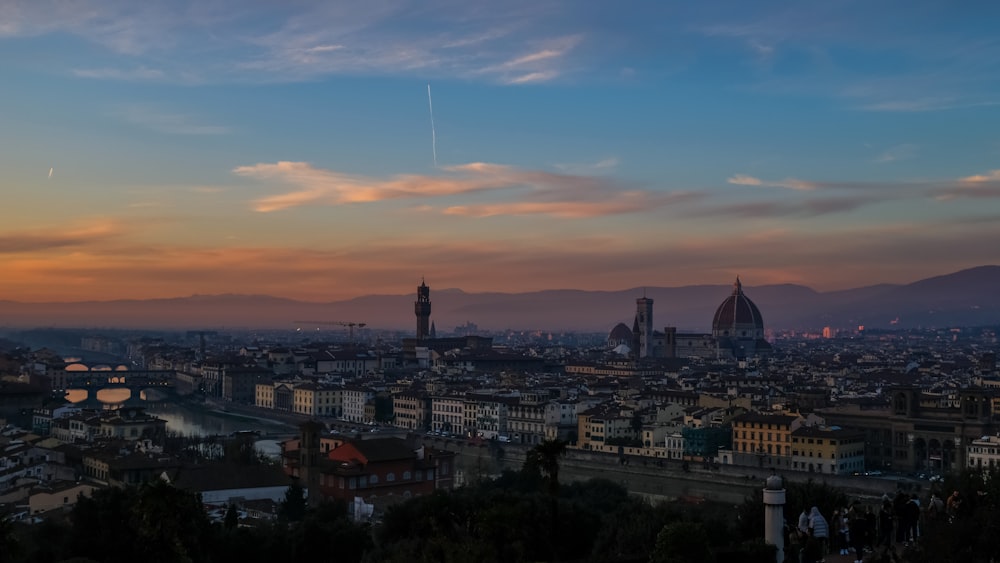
(79, 378)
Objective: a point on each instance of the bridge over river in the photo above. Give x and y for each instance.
(110, 382)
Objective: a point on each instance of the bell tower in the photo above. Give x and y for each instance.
(644, 318)
(422, 308)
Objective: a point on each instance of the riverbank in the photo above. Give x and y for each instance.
(247, 412)
(192, 417)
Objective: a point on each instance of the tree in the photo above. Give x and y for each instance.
(170, 523)
(241, 450)
(8, 542)
(544, 458)
(232, 517)
(293, 508)
(636, 423)
(682, 542)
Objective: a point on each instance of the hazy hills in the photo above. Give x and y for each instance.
(966, 298)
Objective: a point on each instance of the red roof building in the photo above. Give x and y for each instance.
(376, 469)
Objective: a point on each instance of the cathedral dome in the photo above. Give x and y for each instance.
(619, 335)
(737, 317)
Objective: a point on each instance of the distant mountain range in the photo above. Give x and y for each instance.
(965, 298)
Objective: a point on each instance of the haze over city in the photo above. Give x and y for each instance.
(329, 150)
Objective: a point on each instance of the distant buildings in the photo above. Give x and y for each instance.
(737, 333)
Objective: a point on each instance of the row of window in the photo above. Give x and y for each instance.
(770, 436)
(372, 480)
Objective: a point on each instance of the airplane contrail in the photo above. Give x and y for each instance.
(51, 170)
(430, 104)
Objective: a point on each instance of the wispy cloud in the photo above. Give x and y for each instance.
(991, 176)
(151, 117)
(772, 209)
(540, 65)
(623, 203)
(744, 180)
(904, 151)
(790, 183)
(978, 186)
(602, 166)
(541, 76)
(913, 105)
(537, 192)
(33, 241)
(138, 73)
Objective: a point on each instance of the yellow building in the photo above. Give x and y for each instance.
(43, 499)
(831, 451)
(762, 440)
(596, 426)
(317, 400)
(410, 410)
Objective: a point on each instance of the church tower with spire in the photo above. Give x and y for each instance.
(422, 308)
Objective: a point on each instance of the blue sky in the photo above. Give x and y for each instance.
(156, 149)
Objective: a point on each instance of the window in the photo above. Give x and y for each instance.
(390, 477)
(373, 480)
(406, 476)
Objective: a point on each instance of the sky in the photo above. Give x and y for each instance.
(325, 150)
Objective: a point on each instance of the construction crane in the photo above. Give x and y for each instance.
(350, 325)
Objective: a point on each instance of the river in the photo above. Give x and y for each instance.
(195, 420)
(192, 420)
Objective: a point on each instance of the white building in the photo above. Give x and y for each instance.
(448, 415)
(355, 398)
(984, 453)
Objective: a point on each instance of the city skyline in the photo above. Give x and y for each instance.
(169, 149)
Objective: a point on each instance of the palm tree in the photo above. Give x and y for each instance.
(545, 458)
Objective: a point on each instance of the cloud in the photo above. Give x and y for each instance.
(536, 192)
(744, 180)
(773, 209)
(915, 105)
(34, 241)
(228, 40)
(533, 77)
(991, 176)
(844, 255)
(790, 183)
(540, 65)
(139, 73)
(542, 55)
(164, 122)
(626, 202)
(978, 186)
(762, 50)
(601, 166)
(904, 151)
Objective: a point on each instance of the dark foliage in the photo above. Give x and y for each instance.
(293, 507)
(159, 523)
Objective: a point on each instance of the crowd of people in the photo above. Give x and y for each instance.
(860, 530)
